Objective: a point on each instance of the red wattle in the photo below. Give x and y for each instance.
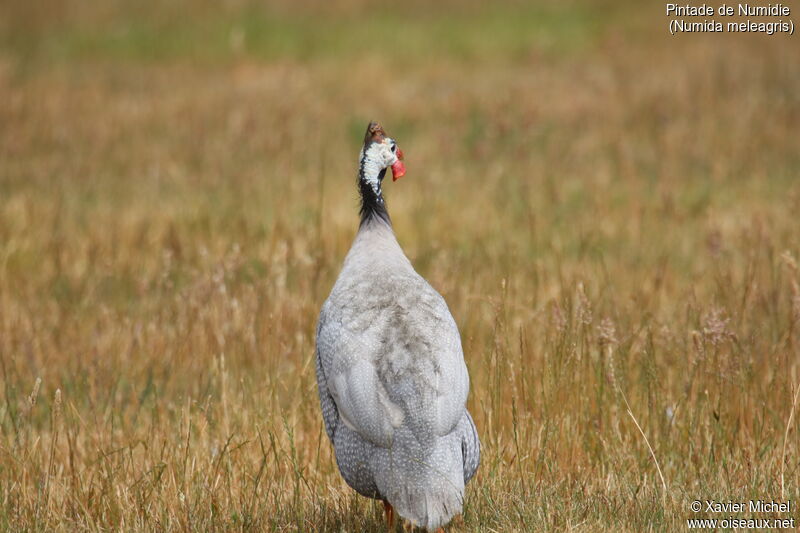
(398, 170)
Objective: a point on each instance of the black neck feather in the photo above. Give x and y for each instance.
(373, 206)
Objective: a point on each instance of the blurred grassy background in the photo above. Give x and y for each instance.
(605, 208)
(213, 32)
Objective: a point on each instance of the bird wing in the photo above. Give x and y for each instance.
(470, 446)
(385, 362)
(330, 415)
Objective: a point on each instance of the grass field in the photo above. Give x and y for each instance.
(610, 212)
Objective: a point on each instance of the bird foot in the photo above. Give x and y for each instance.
(388, 511)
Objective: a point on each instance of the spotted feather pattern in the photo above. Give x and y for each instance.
(393, 383)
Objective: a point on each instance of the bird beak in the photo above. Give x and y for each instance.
(398, 168)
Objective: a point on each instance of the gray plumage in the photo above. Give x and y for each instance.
(393, 383)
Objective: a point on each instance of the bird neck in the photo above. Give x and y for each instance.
(370, 176)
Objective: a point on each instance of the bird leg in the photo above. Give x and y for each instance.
(389, 512)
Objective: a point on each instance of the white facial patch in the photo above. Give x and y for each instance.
(376, 158)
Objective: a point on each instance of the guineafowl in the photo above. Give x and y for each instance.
(390, 369)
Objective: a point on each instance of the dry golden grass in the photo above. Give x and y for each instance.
(611, 215)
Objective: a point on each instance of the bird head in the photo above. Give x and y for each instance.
(383, 151)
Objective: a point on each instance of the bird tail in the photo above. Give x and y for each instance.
(426, 488)
(427, 508)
